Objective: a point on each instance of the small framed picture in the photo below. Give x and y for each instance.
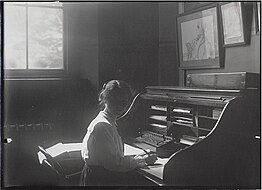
(233, 25)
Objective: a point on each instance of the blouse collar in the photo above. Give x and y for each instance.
(109, 118)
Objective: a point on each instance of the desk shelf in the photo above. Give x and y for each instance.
(175, 119)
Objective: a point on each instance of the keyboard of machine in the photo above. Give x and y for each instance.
(152, 138)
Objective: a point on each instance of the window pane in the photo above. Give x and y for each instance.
(54, 4)
(14, 37)
(45, 38)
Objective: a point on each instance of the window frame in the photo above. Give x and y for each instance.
(38, 73)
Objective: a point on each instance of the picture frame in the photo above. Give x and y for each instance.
(233, 24)
(258, 17)
(192, 5)
(199, 40)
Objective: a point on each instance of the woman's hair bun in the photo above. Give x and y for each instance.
(114, 89)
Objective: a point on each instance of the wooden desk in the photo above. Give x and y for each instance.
(153, 173)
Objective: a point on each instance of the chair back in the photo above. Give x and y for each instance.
(50, 162)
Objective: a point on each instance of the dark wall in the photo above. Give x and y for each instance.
(61, 102)
(42, 112)
(128, 43)
(82, 38)
(114, 41)
(138, 43)
(168, 52)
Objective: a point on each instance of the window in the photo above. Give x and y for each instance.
(34, 39)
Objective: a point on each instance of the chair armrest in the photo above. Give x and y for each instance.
(41, 157)
(73, 174)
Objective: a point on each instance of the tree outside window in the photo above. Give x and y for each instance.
(33, 36)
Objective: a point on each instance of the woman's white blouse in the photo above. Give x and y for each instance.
(102, 145)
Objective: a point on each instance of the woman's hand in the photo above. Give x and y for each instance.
(141, 162)
(149, 159)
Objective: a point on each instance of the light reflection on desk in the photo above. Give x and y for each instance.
(61, 148)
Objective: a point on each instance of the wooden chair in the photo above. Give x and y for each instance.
(64, 178)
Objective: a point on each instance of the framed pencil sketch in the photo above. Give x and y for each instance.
(199, 40)
(233, 26)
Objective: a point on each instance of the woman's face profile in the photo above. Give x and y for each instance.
(118, 105)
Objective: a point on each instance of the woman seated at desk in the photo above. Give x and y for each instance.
(103, 150)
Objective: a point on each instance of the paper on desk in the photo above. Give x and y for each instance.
(130, 150)
(60, 148)
(156, 169)
(55, 149)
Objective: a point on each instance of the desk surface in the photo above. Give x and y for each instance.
(61, 148)
(153, 173)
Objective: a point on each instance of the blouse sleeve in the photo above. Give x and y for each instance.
(106, 151)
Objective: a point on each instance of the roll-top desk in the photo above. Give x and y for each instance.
(208, 130)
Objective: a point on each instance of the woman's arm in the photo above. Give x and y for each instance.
(108, 154)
